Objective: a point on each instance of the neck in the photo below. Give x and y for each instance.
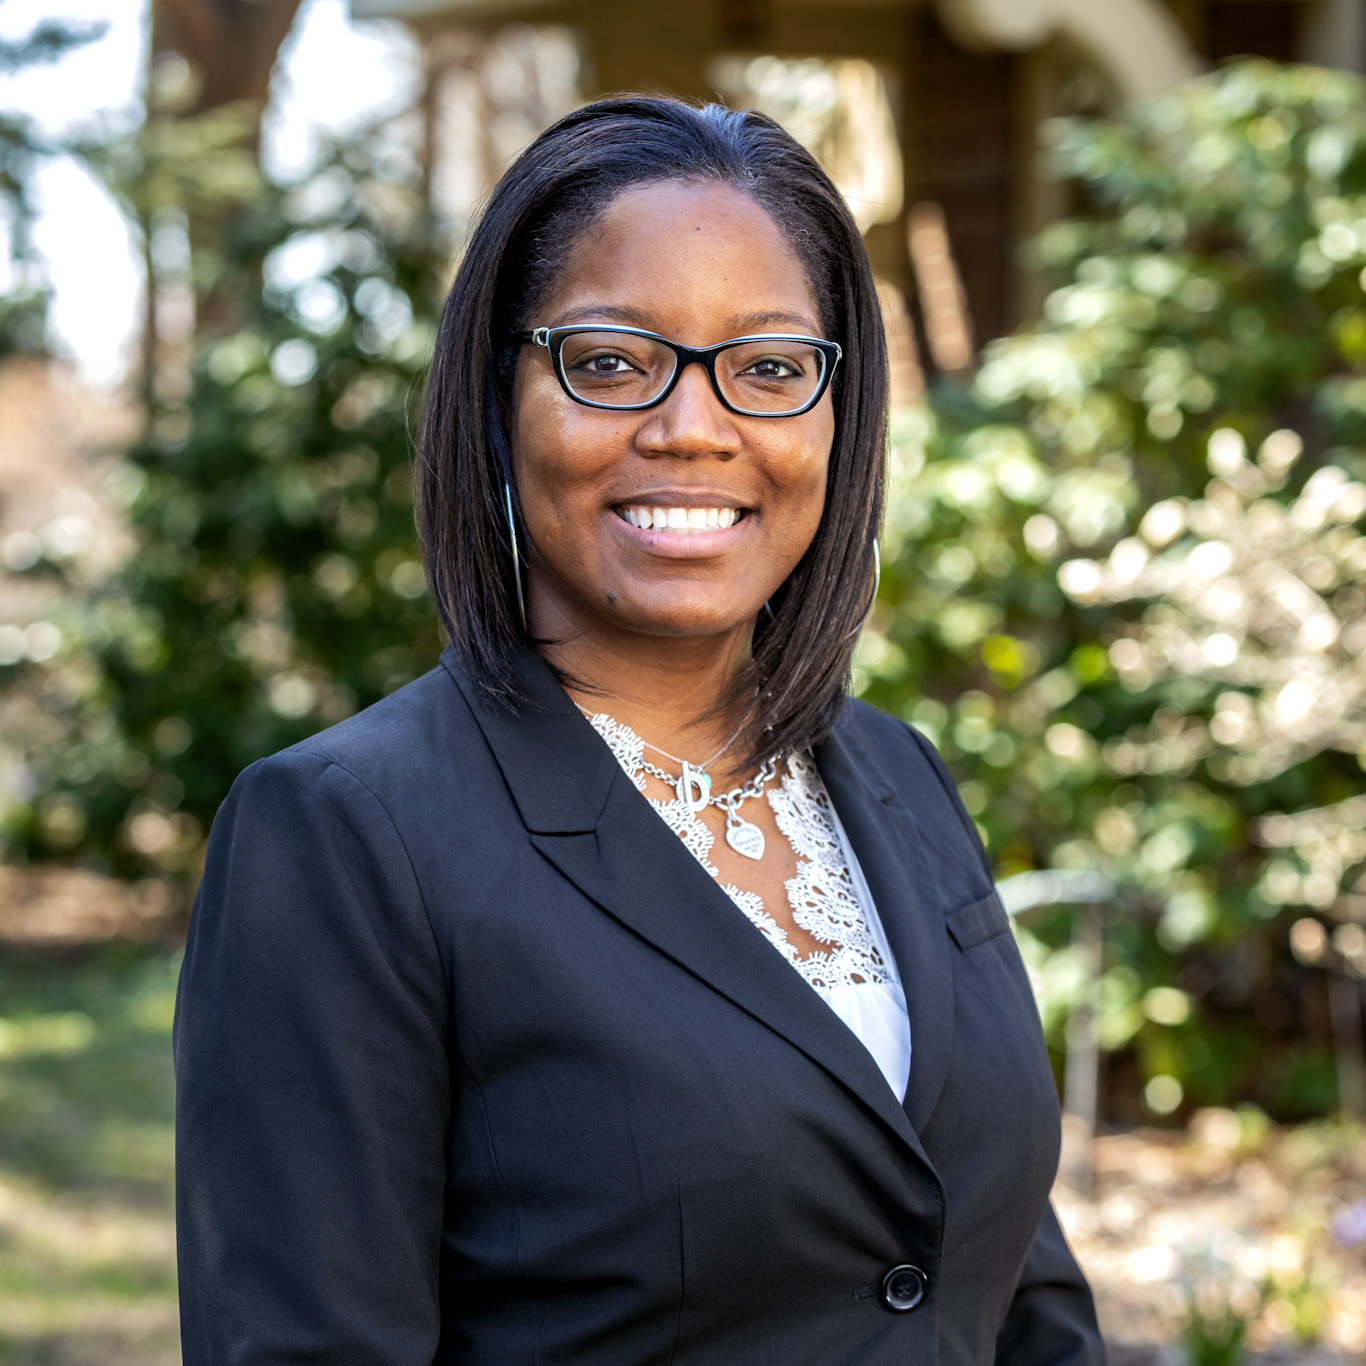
(669, 690)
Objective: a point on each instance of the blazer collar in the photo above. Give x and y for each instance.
(557, 768)
(589, 820)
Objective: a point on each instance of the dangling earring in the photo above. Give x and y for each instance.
(877, 581)
(516, 557)
(769, 610)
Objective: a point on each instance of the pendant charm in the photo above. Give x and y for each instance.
(744, 837)
(701, 780)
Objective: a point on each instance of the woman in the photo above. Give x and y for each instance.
(481, 1060)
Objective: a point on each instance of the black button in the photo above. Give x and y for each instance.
(903, 1287)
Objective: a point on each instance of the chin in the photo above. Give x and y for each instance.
(686, 619)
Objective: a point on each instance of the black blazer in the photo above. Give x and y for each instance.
(478, 1065)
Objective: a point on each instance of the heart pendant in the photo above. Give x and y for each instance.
(745, 838)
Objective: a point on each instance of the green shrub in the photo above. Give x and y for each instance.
(1198, 380)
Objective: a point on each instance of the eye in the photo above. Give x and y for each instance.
(773, 367)
(605, 363)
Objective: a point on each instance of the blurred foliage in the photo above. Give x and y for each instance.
(276, 585)
(23, 310)
(1206, 302)
(1214, 1330)
(23, 322)
(50, 40)
(1212, 285)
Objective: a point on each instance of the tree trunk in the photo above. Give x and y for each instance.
(231, 45)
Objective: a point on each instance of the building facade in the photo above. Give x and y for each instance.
(965, 88)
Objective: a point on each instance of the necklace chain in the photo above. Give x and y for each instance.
(674, 757)
(724, 801)
(729, 802)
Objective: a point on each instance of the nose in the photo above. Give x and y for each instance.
(691, 422)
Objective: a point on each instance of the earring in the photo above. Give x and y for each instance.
(516, 557)
(877, 582)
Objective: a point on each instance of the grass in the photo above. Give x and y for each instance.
(87, 1240)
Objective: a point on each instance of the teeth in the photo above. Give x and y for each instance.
(685, 520)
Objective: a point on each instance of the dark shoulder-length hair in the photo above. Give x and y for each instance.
(556, 189)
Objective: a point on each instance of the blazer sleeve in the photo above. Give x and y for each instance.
(1052, 1319)
(313, 1090)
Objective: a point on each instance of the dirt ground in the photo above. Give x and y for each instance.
(1229, 1210)
(56, 907)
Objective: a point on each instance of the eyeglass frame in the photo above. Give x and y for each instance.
(553, 339)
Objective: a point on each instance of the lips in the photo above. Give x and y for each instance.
(679, 520)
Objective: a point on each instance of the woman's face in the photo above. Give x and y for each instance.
(698, 263)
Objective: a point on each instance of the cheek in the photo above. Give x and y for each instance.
(816, 472)
(536, 433)
(801, 472)
(562, 455)
(551, 453)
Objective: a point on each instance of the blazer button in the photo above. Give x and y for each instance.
(903, 1287)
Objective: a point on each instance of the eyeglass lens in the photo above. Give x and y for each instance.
(621, 370)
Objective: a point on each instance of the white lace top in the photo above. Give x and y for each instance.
(856, 974)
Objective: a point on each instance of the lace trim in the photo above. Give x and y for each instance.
(821, 892)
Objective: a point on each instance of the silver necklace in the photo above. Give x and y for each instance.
(743, 836)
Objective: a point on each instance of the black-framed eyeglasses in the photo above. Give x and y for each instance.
(765, 375)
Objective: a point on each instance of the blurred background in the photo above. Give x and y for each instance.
(1120, 245)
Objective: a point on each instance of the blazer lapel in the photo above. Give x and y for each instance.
(588, 819)
(886, 838)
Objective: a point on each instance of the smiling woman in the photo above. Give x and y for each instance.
(621, 992)
(700, 203)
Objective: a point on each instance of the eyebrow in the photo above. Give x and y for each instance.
(739, 324)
